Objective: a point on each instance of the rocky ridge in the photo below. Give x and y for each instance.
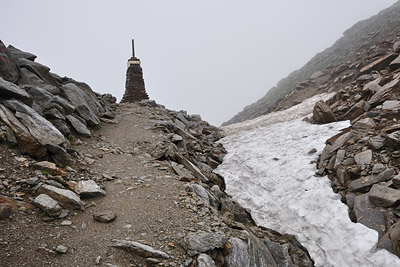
(362, 43)
(73, 162)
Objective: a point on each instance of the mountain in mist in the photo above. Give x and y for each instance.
(364, 42)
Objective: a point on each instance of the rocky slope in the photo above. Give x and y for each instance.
(85, 181)
(361, 43)
(363, 161)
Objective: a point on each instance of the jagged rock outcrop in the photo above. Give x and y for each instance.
(367, 38)
(39, 110)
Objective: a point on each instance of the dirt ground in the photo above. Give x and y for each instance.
(151, 204)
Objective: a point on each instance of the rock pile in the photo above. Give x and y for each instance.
(191, 150)
(39, 110)
(363, 160)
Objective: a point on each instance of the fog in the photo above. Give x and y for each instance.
(207, 57)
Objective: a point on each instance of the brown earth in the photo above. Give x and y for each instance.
(151, 204)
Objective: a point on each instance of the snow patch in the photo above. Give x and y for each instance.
(268, 170)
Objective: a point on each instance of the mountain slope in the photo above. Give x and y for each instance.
(356, 44)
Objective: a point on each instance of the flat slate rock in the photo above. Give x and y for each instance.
(384, 196)
(89, 188)
(79, 127)
(201, 242)
(10, 90)
(140, 249)
(48, 204)
(366, 181)
(104, 216)
(65, 197)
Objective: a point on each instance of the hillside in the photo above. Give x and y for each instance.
(358, 44)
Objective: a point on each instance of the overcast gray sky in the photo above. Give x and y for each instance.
(207, 57)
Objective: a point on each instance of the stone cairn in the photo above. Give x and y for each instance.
(134, 87)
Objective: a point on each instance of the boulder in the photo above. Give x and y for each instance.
(26, 142)
(21, 54)
(366, 213)
(201, 242)
(322, 113)
(89, 188)
(140, 249)
(366, 181)
(86, 109)
(48, 205)
(383, 196)
(316, 75)
(204, 194)
(78, 126)
(40, 128)
(8, 66)
(379, 64)
(10, 90)
(203, 260)
(239, 255)
(64, 197)
(26, 77)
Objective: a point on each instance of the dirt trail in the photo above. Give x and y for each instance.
(151, 204)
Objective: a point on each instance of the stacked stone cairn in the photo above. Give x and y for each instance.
(134, 87)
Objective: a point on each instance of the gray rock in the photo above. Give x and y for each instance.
(279, 253)
(8, 66)
(363, 158)
(203, 260)
(391, 104)
(377, 142)
(10, 90)
(201, 242)
(65, 197)
(322, 113)
(367, 214)
(47, 204)
(26, 142)
(378, 64)
(39, 70)
(29, 78)
(340, 141)
(180, 116)
(61, 249)
(393, 138)
(40, 128)
(365, 182)
(20, 54)
(383, 196)
(104, 216)
(383, 94)
(140, 249)
(378, 168)
(79, 127)
(83, 103)
(151, 103)
(391, 240)
(239, 256)
(89, 188)
(204, 194)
